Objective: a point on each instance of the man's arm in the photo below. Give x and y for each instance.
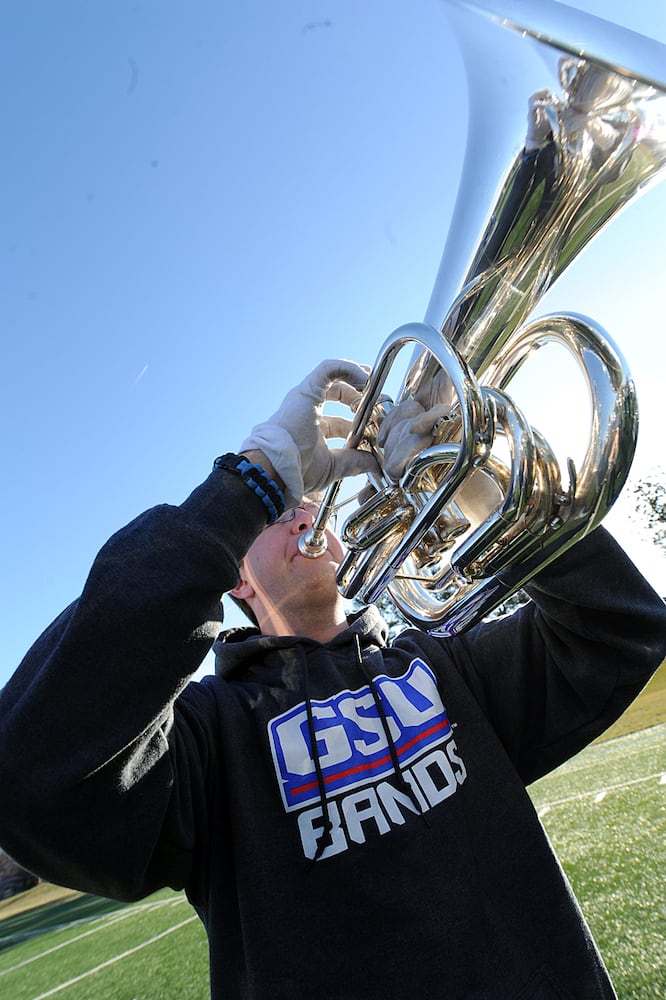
(561, 670)
(86, 723)
(103, 767)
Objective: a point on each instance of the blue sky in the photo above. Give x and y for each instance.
(200, 202)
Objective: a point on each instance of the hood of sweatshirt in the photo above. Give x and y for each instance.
(239, 648)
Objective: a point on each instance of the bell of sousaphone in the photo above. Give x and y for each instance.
(567, 124)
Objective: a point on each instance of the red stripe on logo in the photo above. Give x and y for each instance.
(374, 765)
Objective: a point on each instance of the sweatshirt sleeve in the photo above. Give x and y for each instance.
(558, 672)
(95, 749)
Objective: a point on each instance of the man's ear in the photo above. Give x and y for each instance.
(243, 589)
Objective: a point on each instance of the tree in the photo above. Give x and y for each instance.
(649, 496)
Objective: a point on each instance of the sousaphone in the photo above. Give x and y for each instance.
(472, 517)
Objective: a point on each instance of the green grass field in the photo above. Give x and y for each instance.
(603, 810)
(604, 813)
(88, 947)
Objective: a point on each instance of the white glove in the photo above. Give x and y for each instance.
(294, 438)
(407, 430)
(539, 131)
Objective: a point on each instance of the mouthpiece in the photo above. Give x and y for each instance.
(313, 544)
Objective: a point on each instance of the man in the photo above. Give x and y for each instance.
(349, 818)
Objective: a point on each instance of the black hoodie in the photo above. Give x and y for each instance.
(349, 819)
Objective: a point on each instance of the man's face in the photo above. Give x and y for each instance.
(277, 571)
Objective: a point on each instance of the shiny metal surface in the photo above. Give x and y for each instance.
(476, 515)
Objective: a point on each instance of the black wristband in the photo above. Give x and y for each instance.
(258, 481)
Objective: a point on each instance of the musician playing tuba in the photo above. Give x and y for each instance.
(347, 814)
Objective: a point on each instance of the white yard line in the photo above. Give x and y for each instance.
(103, 924)
(108, 922)
(117, 958)
(598, 793)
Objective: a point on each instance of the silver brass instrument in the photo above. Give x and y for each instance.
(473, 517)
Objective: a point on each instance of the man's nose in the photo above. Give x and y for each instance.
(303, 520)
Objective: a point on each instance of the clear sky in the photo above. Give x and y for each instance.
(200, 201)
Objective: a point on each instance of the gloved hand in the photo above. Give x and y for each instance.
(407, 430)
(415, 423)
(539, 130)
(294, 438)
